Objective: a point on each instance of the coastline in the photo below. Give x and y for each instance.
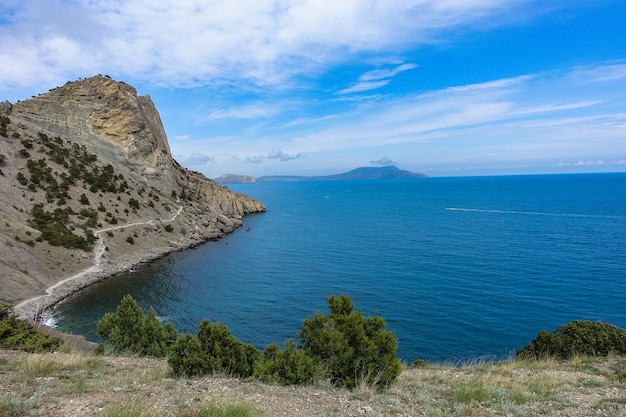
(35, 308)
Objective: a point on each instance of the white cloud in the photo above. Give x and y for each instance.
(364, 86)
(283, 157)
(256, 159)
(252, 111)
(528, 121)
(384, 161)
(515, 117)
(193, 42)
(377, 78)
(196, 159)
(380, 74)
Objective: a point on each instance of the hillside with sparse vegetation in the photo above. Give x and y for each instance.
(90, 189)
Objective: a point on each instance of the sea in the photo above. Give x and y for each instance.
(461, 269)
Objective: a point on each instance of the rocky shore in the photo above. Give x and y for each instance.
(40, 306)
(90, 189)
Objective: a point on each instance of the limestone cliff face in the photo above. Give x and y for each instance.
(125, 130)
(107, 119)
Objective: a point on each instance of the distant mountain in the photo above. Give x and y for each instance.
(374, 173)
(235, 179)
(363, 173)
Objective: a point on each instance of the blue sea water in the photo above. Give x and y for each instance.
(460, 268)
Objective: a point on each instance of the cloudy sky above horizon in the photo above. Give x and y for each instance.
(313, 87)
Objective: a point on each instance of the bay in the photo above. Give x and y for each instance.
(460, 268)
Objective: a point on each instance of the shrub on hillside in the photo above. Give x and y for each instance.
(21, 335)
(285, 367)
(213, 351)
(54, 230)
(577, 337)
(351, 349)
(344, 347)
(129, 329)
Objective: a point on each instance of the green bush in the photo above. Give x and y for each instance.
(21, 178)
(286, 367)
(577, 337)
(187, 357)
(345, 347)
(133, 203)
(54, 230)
(214, 350)
(21, 335)
(350, 348)
(129, 329)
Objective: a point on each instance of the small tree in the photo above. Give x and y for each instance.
(352, 349)
(133, 203)
(286, 367)
(16, 333)
(214, 350)
(577, 337)
(128, 329)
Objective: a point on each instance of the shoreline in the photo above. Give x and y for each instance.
(34, 308)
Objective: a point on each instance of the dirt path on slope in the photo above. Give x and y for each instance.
(34, 308)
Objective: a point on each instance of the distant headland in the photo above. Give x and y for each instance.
(362, 173)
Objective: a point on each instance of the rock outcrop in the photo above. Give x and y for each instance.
(56, 149)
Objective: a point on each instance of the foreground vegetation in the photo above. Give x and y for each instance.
(344, 347)
(546, 378)
(78, 384)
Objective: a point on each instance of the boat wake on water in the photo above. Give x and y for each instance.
(532, 213)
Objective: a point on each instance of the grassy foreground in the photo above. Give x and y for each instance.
(80, 384)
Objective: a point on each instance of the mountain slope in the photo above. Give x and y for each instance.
(363, 173)
(85, 168)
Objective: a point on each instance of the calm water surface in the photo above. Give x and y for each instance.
(459, 267)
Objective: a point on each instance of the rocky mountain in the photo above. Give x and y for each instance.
(89, 188)
(363, 173)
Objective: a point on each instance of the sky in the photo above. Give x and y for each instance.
(316, 87)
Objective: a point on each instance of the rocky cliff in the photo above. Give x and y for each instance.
(90, 188)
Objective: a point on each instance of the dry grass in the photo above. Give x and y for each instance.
(79, 384)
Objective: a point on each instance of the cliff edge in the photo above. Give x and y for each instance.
(90, 189)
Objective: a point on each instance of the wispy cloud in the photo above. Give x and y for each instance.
(509, 123)
(375, 79)
(255, 159)
(253, 111)
(179, 44)
(503, 117)
(309, 121)
(384, 161)
(364, 86)
(381, 74)
(197, 159)
(283, 157)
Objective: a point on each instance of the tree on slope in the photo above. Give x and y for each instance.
(352, 349)
(129, 329)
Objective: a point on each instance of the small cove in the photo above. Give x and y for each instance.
(459, 267)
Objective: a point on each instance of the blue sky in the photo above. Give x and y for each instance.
(313, 87)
